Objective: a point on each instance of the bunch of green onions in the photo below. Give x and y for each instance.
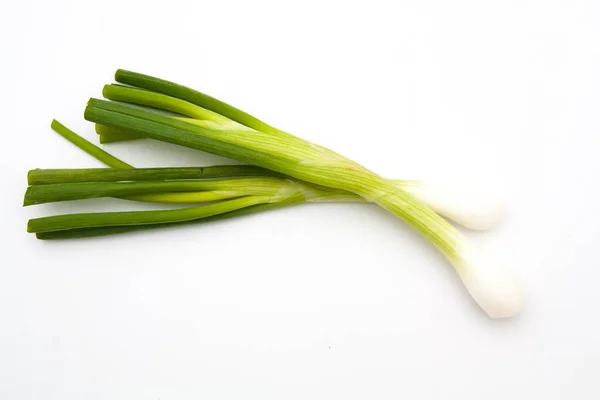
(283, 170)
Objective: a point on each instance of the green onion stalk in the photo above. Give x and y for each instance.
(492, 285)
(51, 185)
(83, 183)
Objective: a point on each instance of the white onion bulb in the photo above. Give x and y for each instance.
(466, 205)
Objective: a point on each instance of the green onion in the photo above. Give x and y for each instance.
(48, 176)
(471, 208)
(474, 209)
(64, 222)
(39, 194)
(78, 233)
(491, 285)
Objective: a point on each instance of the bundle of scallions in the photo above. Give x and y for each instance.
(283, 170)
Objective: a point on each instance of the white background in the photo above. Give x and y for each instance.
(318, 301)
